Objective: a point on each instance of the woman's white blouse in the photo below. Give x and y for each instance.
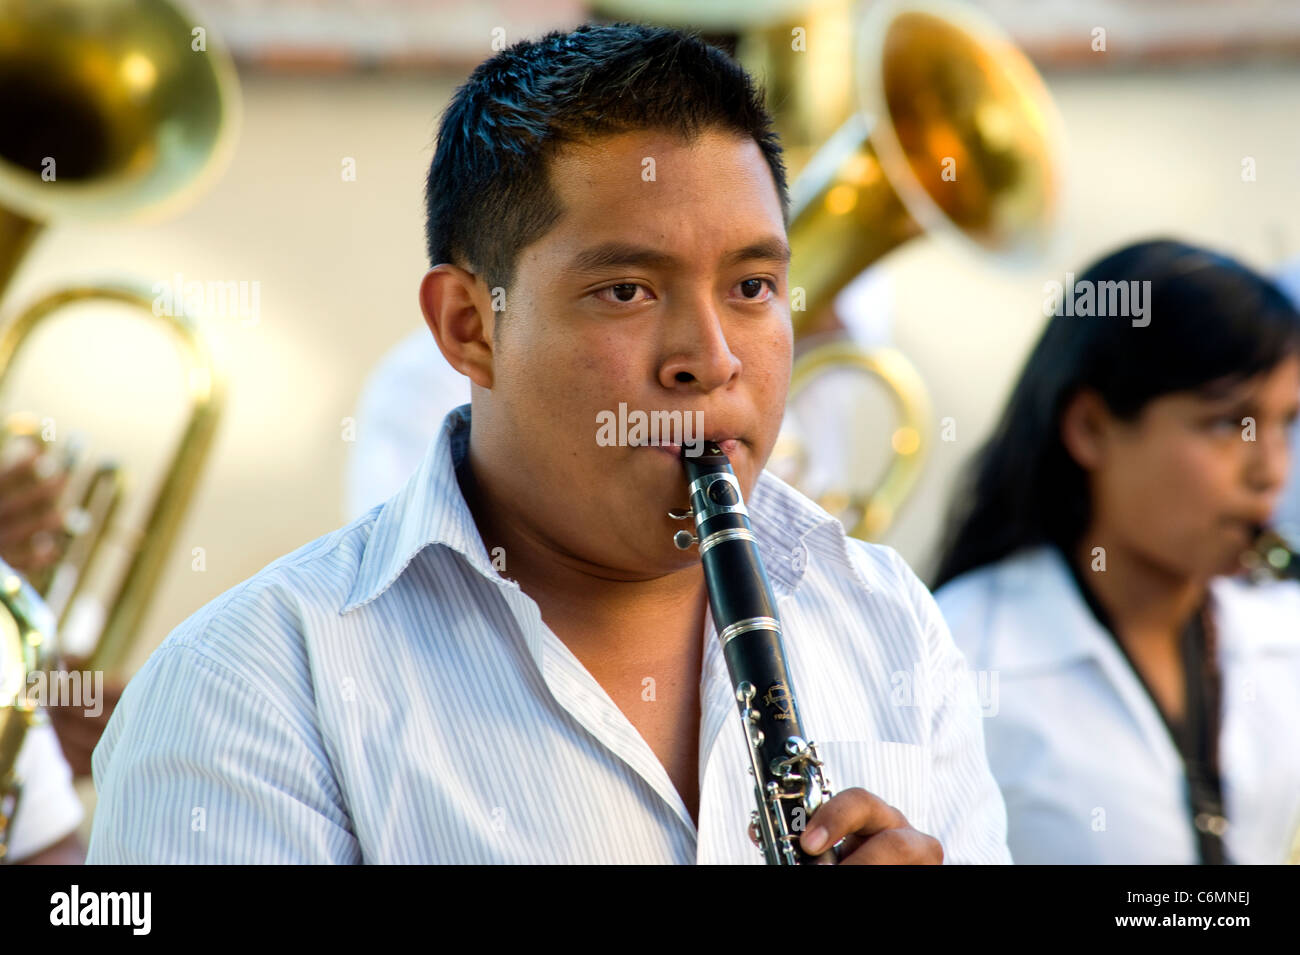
(1087, 767)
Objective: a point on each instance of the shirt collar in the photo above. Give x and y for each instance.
(1040, 596)
(430, 509)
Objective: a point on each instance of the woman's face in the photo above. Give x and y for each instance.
(1186, 483)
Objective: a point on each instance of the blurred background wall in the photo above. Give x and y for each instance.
(1157, 134)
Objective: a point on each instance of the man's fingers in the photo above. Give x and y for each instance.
(19, 472)
(851, 811)
(847, 847)
(39, 497)
(904, 846)
(18, 533)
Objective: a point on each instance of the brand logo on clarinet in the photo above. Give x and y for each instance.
(778, 695)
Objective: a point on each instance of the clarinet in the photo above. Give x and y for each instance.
(1274, 554)
(789, 783)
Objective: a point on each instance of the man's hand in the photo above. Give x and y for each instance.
(30, 513)
(78, 733)
(874, 832)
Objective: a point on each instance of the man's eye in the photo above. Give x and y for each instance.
(750, 289)
(624, 293)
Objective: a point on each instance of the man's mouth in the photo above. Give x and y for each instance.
(728, 444)
(1246, 527)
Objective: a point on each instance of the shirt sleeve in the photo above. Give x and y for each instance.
(198, 766)
(967, 811)
(48, 807)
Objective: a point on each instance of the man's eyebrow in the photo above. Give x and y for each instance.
(626, 254)
(1225, 390)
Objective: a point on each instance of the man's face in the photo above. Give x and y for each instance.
(662, 287)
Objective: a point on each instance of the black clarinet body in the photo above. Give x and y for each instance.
(789, 783)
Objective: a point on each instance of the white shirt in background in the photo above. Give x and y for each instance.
(402, 405)
(49, 808)
(1085, 763)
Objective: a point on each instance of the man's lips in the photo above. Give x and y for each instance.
(1250, 526)
(728, 445)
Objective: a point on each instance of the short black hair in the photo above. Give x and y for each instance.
(488, 195)
(1213, 322)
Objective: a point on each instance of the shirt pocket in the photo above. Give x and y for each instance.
(898, 773)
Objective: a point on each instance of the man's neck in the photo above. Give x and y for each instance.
(586, 607)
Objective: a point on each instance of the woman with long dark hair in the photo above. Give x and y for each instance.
(1148, 698)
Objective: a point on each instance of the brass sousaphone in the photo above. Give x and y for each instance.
(110, 110)
(113, 115)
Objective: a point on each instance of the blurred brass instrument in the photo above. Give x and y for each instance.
(119, 117)
(918, 117)
(26, 645)
(109, 110)
(956, 134)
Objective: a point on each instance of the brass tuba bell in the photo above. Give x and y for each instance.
(955, 134)
(110, 111)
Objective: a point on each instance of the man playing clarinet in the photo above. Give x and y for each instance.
(509, 661)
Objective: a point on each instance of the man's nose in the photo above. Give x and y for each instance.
(698, 351)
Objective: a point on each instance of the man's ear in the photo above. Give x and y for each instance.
(457, 310)
(1085, 428)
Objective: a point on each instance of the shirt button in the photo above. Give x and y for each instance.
(799, 558)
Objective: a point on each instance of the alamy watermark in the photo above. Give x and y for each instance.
(213, 299)
(937, 690)
(683, 429)
(130, 909)
(1086, 299)
(75, 688)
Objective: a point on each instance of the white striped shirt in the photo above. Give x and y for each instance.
(384, 695)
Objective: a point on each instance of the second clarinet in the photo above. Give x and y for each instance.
(789, 782)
